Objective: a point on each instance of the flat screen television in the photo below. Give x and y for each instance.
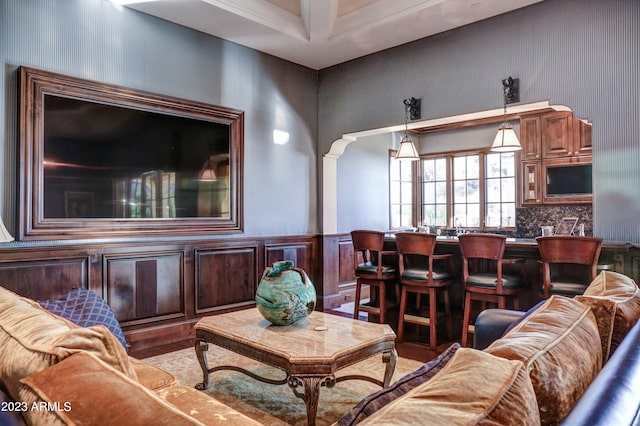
(100, 160)
(569, 180)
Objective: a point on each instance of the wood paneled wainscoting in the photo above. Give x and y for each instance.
(157, 288)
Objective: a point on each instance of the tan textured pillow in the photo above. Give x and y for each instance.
(33, 339)
(560, 345)
(474, 388)
(615, 300)
(83, 390)
(152, 377)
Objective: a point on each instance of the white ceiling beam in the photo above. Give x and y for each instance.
(267, 14)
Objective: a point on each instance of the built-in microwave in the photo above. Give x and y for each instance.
(567, 183)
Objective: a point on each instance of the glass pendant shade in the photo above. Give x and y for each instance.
(506, 139)
(407, 150)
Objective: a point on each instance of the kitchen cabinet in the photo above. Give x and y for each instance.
(530, 134)
(531, 191)
(564, 135)
(551, 139)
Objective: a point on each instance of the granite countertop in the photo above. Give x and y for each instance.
(523, 242)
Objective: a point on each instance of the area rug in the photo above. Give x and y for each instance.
(275, 404)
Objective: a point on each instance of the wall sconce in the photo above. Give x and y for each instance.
(407, 150)
(506, 140)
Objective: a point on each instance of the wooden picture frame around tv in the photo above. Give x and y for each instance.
(142, 156)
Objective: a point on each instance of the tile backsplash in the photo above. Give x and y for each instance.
(530, 219)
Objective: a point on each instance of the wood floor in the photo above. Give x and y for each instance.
(415, 345)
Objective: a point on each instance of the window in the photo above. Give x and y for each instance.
(471, 190)
(401, 192)
(434, 191)
(501, 189)
(466, 191)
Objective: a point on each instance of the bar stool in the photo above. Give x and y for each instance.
(370, 269)
(496, 287)
(421, 272)
(569, 264)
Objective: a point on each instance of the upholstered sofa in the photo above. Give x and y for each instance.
(544, 366)
(53, 371)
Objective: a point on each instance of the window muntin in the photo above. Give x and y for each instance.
(434, 191)
(466, 191)
(401, 193)
(471, 190)
(500, 189)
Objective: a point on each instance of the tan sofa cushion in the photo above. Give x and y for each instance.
(86, 391)
(32, 339)
(615, 300)
(474, 388)
(202, 407)
(560, 345)
(152, 377)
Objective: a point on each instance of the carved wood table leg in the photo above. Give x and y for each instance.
(311, 395)
(390, 359)
(201, 349)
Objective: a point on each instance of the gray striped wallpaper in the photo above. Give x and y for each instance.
(96, 40)
(581, 53)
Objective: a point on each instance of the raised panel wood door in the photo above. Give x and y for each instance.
(225, 278)
(45, 278)
(143, 288)
(299, 253)
(557, 134)
(530, 135)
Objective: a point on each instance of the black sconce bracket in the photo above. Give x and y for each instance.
(511, 90)
(412, 106)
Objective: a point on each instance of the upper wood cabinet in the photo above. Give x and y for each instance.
(553, 139)
(554, 134)
(530, 135)
(564, 135)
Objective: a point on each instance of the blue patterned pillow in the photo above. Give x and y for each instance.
(85, 308)
(375, 401)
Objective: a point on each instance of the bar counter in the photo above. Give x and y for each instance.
(615, 256)
(528, 248)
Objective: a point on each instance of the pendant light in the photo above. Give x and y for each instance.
(506, 140)
(407, 150)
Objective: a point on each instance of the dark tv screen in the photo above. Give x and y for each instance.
(108, 161)
(569, 180)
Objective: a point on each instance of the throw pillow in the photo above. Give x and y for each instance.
(523, 317)
(377, 400)
(33, 339)
(85, 391)
(85, 308)
(560, 346)
(474, 388)
(615, 300)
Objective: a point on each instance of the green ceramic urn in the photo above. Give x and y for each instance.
(285, 294)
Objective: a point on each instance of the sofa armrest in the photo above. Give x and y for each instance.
(612, 398)
(491, 324)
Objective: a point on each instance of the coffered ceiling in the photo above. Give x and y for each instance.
(322, 33)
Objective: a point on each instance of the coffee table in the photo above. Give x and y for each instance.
(310, 351)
